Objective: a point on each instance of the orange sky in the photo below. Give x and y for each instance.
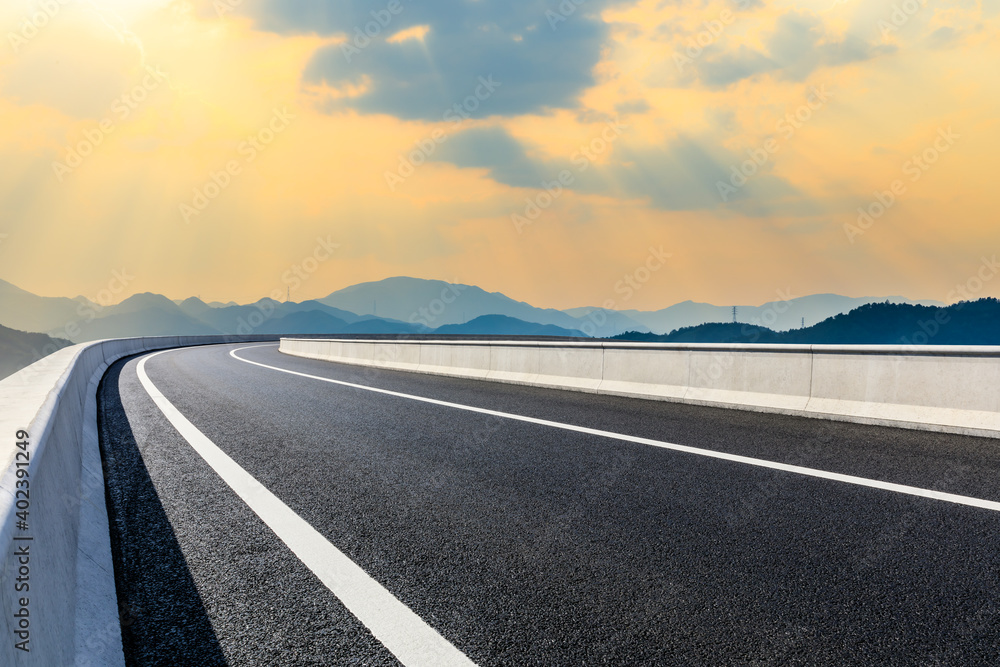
(165, 96)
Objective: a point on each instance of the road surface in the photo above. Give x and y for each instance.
(273, 510)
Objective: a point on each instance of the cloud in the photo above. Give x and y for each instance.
(944, 37)
(682, 175)
(493, 149)
(719, 71)
(541, 52)
(799, 45)
(632, 106)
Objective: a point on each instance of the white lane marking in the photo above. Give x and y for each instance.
(401, 631)
(761, 463)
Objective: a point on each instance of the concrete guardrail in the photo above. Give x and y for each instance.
(58, 587)
(939, 388)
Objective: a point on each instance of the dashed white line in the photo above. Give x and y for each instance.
(399, 629)
(761, 463)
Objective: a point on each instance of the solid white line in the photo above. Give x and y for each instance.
(401, 631)
(761, 463)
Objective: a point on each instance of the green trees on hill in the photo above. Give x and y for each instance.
(964, 323)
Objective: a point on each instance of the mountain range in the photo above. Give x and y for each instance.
(398, 305)
(434, 303)
(782, 315)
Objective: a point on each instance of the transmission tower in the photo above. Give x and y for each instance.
(734, 314)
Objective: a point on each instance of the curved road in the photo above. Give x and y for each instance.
(280, 511)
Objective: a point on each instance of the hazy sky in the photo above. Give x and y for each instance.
(540, 148)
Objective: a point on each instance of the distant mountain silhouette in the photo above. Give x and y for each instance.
(241, 319)
(314, 304)
(269, 316)
(403, 306)
(193, 306)
(143, 301)
(318, 322)
(779, 315)
(304, 322)
(435, 303)
(19, 349)
(712, 332)
(25, 311)
(964, 323)
(501, 325)
(384, 326)
(601, 322)
(143, 315)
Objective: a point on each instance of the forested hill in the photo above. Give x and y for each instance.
(19, 349)
(964, 323)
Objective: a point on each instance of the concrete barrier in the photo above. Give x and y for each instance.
(767, 376)
(577, 366)
(459, 359)
(947, 389)
(940, 388)
(57, 578)
(514, 363)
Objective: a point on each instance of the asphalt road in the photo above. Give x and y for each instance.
(525, 544)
